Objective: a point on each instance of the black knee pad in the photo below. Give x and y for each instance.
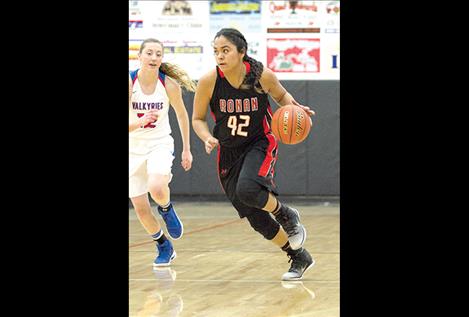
(263, 223)
(251, 193)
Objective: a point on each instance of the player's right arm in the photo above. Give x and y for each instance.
(202, 97)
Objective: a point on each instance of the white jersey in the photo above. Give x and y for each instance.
(142, 103)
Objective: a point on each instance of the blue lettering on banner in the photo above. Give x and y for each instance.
(334, 61)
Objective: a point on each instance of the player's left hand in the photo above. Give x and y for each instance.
(186, 161)
(308, 110)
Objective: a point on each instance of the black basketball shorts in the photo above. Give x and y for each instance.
(256, 162)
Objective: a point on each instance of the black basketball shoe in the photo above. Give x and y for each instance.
(301, 261)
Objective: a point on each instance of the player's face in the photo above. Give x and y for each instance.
(151, 56)
(226, 54)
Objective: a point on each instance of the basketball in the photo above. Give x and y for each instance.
(291, 124)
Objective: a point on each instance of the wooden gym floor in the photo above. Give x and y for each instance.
(224, 268)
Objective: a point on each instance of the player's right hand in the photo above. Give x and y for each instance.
(210, 144)
(308, 110)
(149, 117)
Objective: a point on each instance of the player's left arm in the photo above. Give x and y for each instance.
(274, 88)
(175, 99)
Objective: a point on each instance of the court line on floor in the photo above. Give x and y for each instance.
(218, 225)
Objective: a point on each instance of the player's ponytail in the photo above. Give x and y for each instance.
(179, 74)
(252, 78)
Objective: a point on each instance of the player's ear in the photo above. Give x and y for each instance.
(243, 53)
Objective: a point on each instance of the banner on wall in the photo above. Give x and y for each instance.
(332, 17)
(181, 26)
(188, 54)
(295, 32)
(136, 23)
(292, 16)
(244, 16)
(296, 39)
(293, 55)
(235, 7)
(178, 17)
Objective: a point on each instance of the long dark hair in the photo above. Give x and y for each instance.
(251, 81)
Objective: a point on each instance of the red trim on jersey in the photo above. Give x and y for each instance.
(218, 168)
(248, 67)
(269, 161)
(220, 72)
(266, 125)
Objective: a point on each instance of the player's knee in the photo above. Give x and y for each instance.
(157, 191)
(251, 193)
(263, 223)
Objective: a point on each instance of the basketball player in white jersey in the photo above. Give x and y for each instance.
(152, 89)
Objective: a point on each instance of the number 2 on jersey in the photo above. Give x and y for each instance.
(237, 128)
(148, 125)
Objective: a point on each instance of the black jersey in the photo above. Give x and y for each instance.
(241, 116)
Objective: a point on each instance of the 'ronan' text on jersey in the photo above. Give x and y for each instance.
(239, 105)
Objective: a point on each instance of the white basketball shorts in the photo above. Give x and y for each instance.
(148, 157)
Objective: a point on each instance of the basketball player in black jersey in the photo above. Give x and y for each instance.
(237, 91)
